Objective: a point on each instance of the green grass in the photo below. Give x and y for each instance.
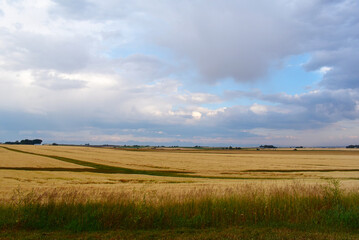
(233, 233)
(293, 207)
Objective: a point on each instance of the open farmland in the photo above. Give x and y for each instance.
(44, 167)
(70, 166)
(195, 188)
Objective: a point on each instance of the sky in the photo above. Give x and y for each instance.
(189, 72)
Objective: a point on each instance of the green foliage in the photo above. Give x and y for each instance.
(329, 207)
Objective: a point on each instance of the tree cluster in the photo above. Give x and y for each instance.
(230, 148)
(267, 146)
(352, 146)
(26, 142)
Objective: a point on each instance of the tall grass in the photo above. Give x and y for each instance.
(299, 205)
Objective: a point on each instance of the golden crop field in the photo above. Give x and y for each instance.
(91, 169)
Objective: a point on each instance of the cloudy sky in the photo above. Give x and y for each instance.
(189, 72)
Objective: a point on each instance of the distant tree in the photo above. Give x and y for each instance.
(37, 141)
(26, 142)
(352, 146)
(267, 146)
(16, 142)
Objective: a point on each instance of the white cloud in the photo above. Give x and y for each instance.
(196, 115)
(55, 81)
(324, 69)
(198, 98)
(258, 109)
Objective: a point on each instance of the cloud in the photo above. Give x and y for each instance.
(199, 98)
(76, 9)
(55, 81)
(95, 10)
(242, 40)
(35, 51)
(142, 68)
(343, 73)
(232, 39)
(311, 110)
(258, 109)
(225, 40)
(196, 115)
(96, 67)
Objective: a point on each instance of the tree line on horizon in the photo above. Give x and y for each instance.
(352, 146)
(26, 142)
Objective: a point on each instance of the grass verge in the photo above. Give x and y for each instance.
(233, 233)
(295, 206)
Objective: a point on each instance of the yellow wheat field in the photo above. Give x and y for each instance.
(14, 159)
(219, 169)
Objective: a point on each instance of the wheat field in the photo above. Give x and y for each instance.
(167, 171)
(89, 189)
